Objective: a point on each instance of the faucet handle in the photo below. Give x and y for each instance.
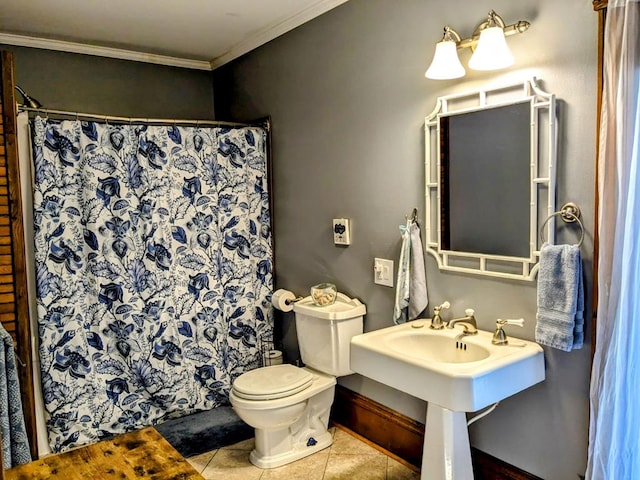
(499, 337)
(469, 312)
(444, 305)
(436, 321)
(511, 321)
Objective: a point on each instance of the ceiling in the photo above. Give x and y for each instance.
(201, 34)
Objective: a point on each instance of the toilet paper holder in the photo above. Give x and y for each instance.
(284, 299)
(293, 300)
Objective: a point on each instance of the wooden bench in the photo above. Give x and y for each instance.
(143, 454)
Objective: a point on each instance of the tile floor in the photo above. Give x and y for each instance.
(348, 458)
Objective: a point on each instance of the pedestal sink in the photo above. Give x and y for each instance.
(454, 374)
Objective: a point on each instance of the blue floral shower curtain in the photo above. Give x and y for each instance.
(154, 270)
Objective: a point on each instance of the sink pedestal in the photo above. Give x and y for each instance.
(453, 375)
(446, 454)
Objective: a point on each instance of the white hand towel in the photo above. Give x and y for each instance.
(404, 275)
(418, 299)
(411, 287)
(560, 318)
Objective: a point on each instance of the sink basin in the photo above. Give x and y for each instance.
(460, 374)
(435, 348)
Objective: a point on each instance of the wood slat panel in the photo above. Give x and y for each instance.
(7, 317)
(7, 307)
(6, 260)
(12, 199)
(7, 298)
(10, 327)
(6, 269)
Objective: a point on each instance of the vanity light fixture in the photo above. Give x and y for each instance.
(490, 50)
(446, 64)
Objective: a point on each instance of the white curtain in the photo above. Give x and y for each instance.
(614, 433)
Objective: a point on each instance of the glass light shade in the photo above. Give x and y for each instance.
(492, 52)
(445, 64)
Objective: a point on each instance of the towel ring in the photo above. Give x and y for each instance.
(569, 213)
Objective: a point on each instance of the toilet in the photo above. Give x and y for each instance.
(289, 406)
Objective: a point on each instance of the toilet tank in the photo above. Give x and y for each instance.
(324, 333)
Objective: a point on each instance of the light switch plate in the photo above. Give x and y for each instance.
(383, 272)
(342, 231)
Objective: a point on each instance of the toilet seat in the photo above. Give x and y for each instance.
(270, 383)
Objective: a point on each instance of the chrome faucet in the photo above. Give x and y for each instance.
(436, 322)
(468, 322)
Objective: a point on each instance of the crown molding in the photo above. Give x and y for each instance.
(72, 47)
(273, 31)
(259, 38)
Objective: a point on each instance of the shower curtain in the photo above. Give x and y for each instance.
(614, 429)
(153, 270)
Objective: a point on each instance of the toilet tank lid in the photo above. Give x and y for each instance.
(343, 308)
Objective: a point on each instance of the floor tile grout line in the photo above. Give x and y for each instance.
(332, 451)
(215, 452)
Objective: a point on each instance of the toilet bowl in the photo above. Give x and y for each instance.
(287, 426)
(289, 406)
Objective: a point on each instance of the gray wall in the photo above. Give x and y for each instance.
(88, 84)
(347, 97)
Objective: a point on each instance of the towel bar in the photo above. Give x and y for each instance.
(569, 213)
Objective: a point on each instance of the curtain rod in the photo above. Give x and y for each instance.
(263, 123)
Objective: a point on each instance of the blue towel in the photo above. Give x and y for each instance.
(411, 287)
(560, 317)
(15, 444)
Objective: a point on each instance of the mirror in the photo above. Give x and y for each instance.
(490, 179)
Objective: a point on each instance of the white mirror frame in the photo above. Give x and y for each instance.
(543, 149)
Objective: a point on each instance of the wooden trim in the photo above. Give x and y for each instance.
(377, 447)
(391, 430)
(488, 467)
(600, 6)
(23, 333)
(403, 437)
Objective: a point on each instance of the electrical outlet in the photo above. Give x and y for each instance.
(341, 231)
(383, 272)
